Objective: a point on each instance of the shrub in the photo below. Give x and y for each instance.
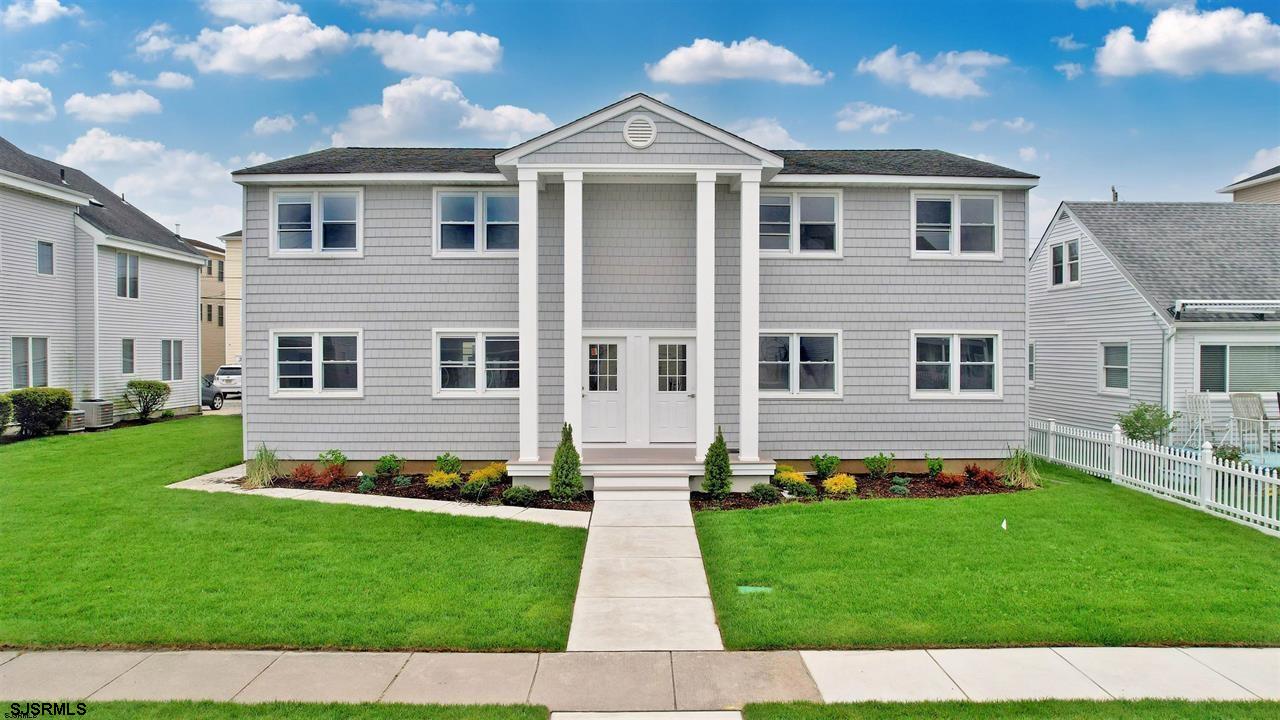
(39, 410)
(440, 479)
(780, 468)
(899, 480)
(366, 485)
(330, 475)
(304, 473)
(840, 485)
(1230, 452)
(1148, 422)
(168, 415)
(6, 410)
(491, 474)
(878, 465)
(449, 463)
(804, 491)
(765, 493)
(389, 464)
(566, 468)
(950, 480)
(474, 490)
(789, 480)
(333, 458)
(519, 495)
(263, 468)
(146, 397)
(933, 465)
(825, 465)
(1020, 469)
(717, 473)
(900, 490)
(971, 470)
(402, 481)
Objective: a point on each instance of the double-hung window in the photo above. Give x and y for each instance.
(477, 362)
(477, 222)
(30, 362)
(946, 364)
(127, 275)
(1113, 368)
(1240, 368)
(1031, 363)
(221, 316)
(800, 223)
(221, 271)
(799, 363)
(170, 359)
(126, 356)
(317, 363)
(44, 257)
(317, 222)
(1064, 263)
(961, 225)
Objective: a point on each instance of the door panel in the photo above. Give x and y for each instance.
(671, 391)
(604, 391)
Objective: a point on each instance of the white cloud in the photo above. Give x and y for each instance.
(981, 125)
(309, 118)
(165, 81)
(44, 63)
(428, 111)
(171, 185)
(765, 132)
(250, 11)
(1264, 159)
(877, 118)
(752, 59)
(438, 53)
(24, 13)
(253, 158)
(153, 41)
(1147, 4)
(1185, 41)
(288, 47)
(1019, 125)
(109, 107)
(22, 100)
(1027, 154)
(1070, 71)
(267, 125)
(1067, 42)
(411, 8)
(953, 74)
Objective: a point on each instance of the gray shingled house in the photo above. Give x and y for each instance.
(646, 277)
(1153, 302)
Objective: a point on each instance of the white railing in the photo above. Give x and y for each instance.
(1236, 491)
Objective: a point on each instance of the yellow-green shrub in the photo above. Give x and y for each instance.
(789, 477)
(782, 469)
(490, 473)
(840, 485)
(439, 479)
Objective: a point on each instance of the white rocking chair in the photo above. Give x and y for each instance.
(1199, 418)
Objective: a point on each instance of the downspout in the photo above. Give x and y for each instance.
(1166, 367)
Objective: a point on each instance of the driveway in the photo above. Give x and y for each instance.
(229, 407)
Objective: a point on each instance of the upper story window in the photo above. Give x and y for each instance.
(208, 266)
(30, 362)
(477, 362)
(127, 275)
(1113, 359)
(1239, 368)
(322, 363)
(800, 223)
(947, 365)
(1064, 263)
(955, 225)
(477, 222)
(799, 363)
(221, 275)
(44, 257)
(318, 222)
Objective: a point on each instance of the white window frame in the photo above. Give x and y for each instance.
(53, 259)
(13, 365)
(1229, 341)
(481, 248)
(954, 392)
(133, 356)
(481, 374)
(793, 240)
(793, 362)
(1102, 367)
(317, 365)
(953, 251)
(168, 360)
(1066, 265)
(317, 223)
(1031, 363)
(128, 277)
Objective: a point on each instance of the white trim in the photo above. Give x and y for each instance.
(44, 189)
(1246, 184)
(953, 252)
(749, 317)
(793, 238)
(13, 365)
(371, 178)
(573, 271)
(1067, 282)
(480, 221)
(793, 364)
(1248, 337)
(316, 391)
(317, 224)
(1102, 367)
(528, 316)
(479, 335)
(134, 246)
(127, 277)
(53, 259)
(704, 350)
(929, 181)
(954, 393)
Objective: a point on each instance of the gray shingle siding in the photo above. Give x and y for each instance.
(603, 143)
(550, 314)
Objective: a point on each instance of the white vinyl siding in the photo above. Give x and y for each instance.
(956, 364)
(317, 363)
(477, 363)
(325, 222)
(805, 363)
(956, 225)
(477, 222)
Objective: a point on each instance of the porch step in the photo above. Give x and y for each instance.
(642, 481)
(624, 495)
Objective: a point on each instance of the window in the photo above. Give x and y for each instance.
(221, 274)
(1239, 368)
(956, 225)
(477, 363)
(221, 313)
(126, 356)
(1031, 363)
(208, 313)
(44, 258)
(477, 222)
(1064, 263)
(313, 363)
(30, 362)
(948, 364)
(1115, 368)
(799, 363)
(336, 214)
(208, 266)
(127, 276)
(170, 359)
(800, 223)
(602, 367)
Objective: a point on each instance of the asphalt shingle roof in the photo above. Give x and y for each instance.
(113, 216)
(1191, 251)
(1265, 173)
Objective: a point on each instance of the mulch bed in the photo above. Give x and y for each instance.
(921, 487)
(419, 489)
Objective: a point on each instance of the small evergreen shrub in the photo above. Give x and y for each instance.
(389, 464)
(900, 490)
(899, 481)
(878, 465)
(1020, 469)
(566, 468)
(402, 481)
(449, 463)
(933, 465)
(333, 458)
(39, 410)
(304, 473)
(1230, 452)
(146, 397)
(840, 485)
(825, 465)
(6, 410)
(439, 479)
(804, 491)
(765, 493)
(1148, 422)
(717, 473)
(491, 474)
(474, 490)
(262, 469)
(950, 480)
(519, 495)
(366, 485)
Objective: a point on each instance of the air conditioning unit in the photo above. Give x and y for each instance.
(73, 421)
(98, 413)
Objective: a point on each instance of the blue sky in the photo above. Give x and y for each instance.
(161, 99)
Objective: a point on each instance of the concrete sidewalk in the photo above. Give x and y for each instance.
(645, 681)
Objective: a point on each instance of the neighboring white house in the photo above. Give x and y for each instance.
(93, 292)
(646, 277)
(1146, 302)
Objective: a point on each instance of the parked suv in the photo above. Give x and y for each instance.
(227, 379)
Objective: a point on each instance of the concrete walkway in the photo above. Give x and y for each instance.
(645, 681)
(643, 586)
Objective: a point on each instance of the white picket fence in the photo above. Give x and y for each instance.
(1236, 491)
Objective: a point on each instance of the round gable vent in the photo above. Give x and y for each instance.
(639, 132)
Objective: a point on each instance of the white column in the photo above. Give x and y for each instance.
(749, 328)
(528, 315)
(573, 303)
(705, 355)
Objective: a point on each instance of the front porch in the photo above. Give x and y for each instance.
(631, 468)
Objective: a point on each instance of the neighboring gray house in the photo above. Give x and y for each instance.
(93, 292)
(1146, 302)
(423, 300)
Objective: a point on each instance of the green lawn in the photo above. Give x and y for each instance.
(1083, 562)
(1039, 710)
(303, 711)
(96, 552)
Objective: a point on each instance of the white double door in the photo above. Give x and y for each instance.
(638, 390)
